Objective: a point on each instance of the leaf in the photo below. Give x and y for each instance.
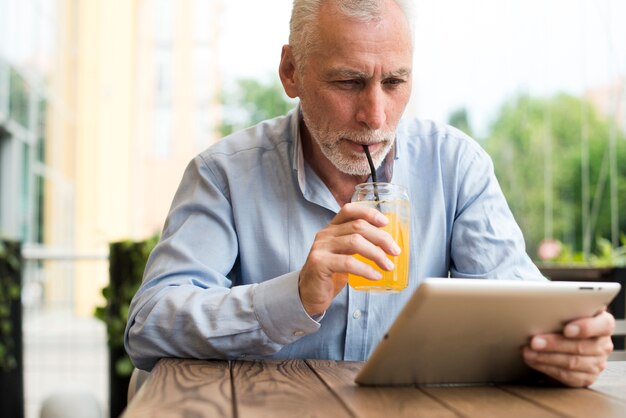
(516, 142)
(10, 271)
(127, 260)
(124, 367)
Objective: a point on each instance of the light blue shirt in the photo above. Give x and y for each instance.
(223, 281)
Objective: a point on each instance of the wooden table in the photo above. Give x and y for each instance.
(322, 388)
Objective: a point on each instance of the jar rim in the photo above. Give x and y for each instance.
(378, 184)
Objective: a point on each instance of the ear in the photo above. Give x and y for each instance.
(288, 73)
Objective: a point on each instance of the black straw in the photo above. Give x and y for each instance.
(373, 171)
(371, 163)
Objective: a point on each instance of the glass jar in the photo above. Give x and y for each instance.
(393, 201)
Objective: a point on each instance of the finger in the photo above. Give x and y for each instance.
(353, 211)
(377, 237)
(356, 244)
(347, 264)
(366, 249)
(570, 378)
(556, 343)
(601, 324)
(570, 362)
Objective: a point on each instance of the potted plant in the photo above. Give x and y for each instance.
(11, 363)
(608, 264)
(127, 260)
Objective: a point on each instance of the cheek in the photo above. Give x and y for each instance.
(341, 109)
(397, 106)
(331, 110)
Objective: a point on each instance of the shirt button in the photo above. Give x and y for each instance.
(356, 314)
(298, 333)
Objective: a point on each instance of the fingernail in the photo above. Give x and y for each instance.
(381, 219)
(571, 331)
(538, 343)
(395, 249)
(389, 264)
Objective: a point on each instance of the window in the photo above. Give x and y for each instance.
(4, 87)
(203, 128)
(164, 14)
(4, 23)
(202, 16)
(18, 98)
(163, 101)
(5, 175)
(202, 74)
(162, 131)
(25, 193)
(164, 63)
(40, 140)
(164, 11)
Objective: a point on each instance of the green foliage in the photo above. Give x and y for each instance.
(524, 132)
(251, 102)
(10, 291)
(605, 255)
(127, 260)
(460, 120)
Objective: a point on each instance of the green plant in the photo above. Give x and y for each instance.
(605, 256)
(608, 256)
(127, 260)
(10, 272)
(250, 102)
(553, 191)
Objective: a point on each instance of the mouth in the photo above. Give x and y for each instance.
(357, 147)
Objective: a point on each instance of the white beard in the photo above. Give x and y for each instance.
(354, 163)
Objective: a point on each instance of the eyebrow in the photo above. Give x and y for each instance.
(347, 73)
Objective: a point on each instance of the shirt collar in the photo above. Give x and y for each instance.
(298, 155)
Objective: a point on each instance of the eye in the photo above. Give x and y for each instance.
(349, 83)
(392, 82)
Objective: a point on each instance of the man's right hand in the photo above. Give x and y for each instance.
(355, 230)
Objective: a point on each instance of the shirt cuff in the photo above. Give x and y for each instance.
(279, 309)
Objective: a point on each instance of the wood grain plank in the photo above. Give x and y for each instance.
(487, 401)
(580, 403)
(184, 388)
(286, 388)
(376, 401)
(612, 381)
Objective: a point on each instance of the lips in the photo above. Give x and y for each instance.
(358, 147)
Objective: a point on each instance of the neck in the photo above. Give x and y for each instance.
(340, 184)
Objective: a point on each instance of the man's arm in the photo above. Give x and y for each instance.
(488, 243)
(188, 306)
(191, 303)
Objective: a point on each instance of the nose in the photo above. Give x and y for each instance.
(371, 108)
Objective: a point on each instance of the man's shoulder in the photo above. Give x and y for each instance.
(265, 136)
(427, 130)
(418, 134)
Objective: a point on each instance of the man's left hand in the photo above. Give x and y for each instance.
(578, 356)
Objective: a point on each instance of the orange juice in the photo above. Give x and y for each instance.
(398, 213)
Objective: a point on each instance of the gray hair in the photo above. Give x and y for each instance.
(302, 31)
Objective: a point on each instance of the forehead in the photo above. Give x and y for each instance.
(384, 42)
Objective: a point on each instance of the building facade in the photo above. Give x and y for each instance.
(102, 104)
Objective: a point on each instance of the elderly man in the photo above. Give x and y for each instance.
(260, 236)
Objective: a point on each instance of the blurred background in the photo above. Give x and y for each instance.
(103, 103)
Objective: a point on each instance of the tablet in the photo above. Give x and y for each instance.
(471, 331)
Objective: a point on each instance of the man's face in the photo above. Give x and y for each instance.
(355, 85)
